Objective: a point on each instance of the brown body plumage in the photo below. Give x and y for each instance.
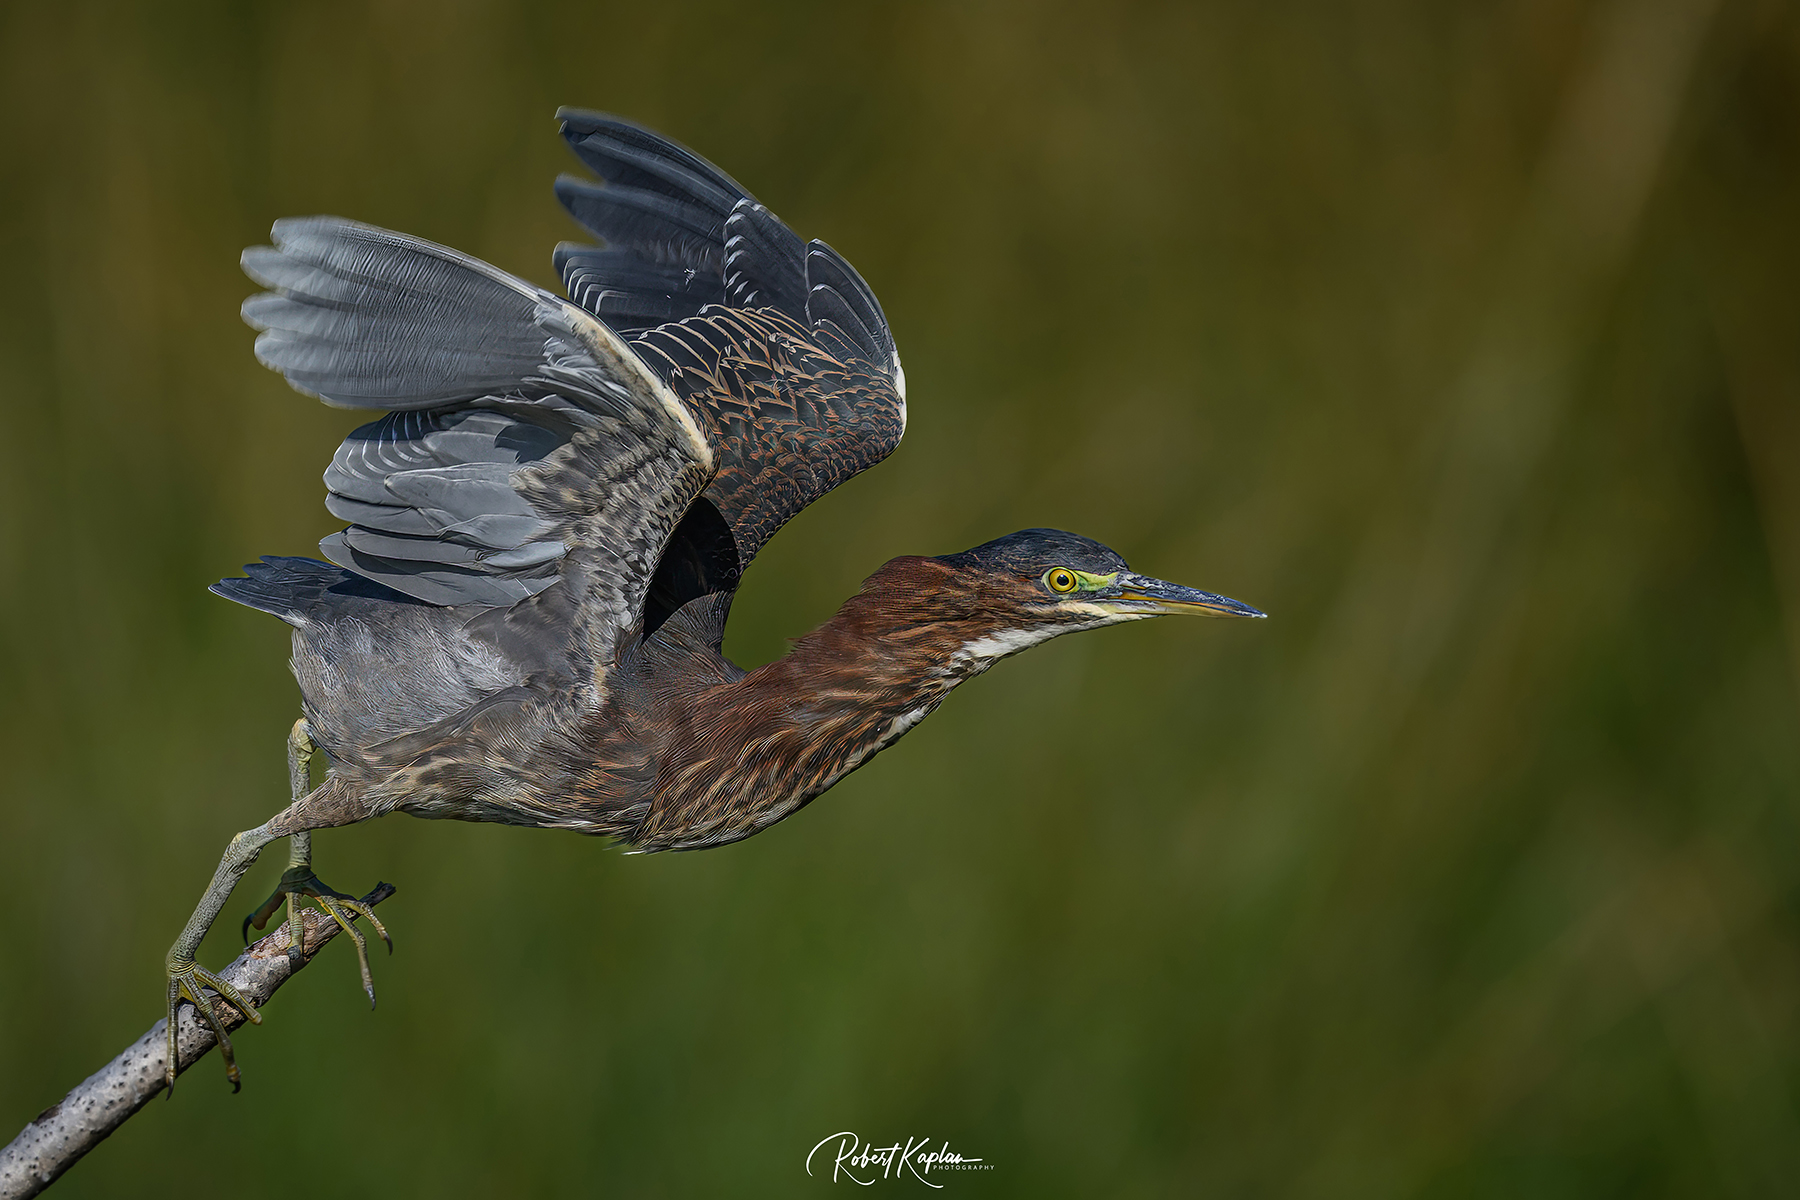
(679, 748)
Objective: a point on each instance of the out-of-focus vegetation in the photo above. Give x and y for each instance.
(1463, 338)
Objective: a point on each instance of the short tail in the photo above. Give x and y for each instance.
(289, 588)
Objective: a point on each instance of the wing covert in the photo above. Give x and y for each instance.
(777, 345)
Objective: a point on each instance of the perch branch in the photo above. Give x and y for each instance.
(105, 1100)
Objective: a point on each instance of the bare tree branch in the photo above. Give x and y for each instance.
(105, 1100)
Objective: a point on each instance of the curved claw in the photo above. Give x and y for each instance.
(261, 916)
(189, 981)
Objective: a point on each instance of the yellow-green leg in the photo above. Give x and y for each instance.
(298, 882)
(188, 980)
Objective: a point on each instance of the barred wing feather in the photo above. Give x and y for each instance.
(777, 345)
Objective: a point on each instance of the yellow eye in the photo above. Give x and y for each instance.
(1060, 580)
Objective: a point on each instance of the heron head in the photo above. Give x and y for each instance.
(1039, 583)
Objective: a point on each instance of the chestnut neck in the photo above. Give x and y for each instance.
(893, 645)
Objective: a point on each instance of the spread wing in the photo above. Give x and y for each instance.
(526, 445)
(777, 346)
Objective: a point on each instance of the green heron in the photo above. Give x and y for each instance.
(523, 620)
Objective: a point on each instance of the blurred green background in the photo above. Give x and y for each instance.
(1463, 338)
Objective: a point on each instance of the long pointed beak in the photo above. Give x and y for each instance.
(1140, 593)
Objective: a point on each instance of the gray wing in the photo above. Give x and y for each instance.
(528, 445)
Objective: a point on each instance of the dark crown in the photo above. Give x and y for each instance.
(1034, 551)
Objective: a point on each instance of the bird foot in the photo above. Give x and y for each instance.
(189, 981)
(299, 883)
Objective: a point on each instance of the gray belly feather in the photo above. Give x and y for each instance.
(368, 679)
